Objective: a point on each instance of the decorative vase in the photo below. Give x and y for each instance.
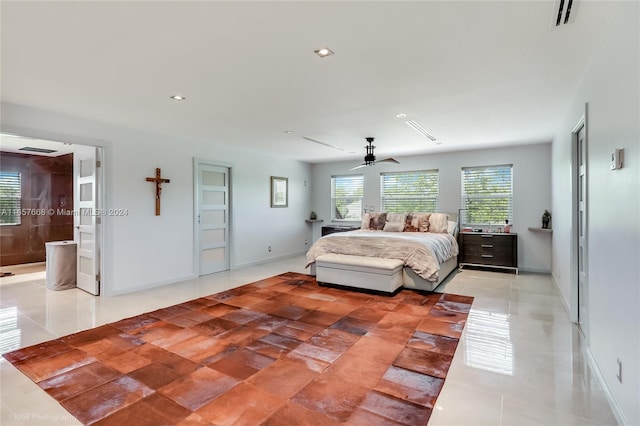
(546, 219)
(313, 216)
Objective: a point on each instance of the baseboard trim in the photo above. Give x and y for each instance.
(267, 260)
(615, 407)
(148, 286)
(154, 284)
(534, 270)
(565, 304)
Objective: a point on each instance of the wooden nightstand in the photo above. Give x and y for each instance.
(493, 250)
(326, 230)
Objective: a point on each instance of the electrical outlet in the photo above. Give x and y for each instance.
(619, 373)
(269, 249)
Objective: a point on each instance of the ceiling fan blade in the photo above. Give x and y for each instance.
(358, 167)
(389, 160)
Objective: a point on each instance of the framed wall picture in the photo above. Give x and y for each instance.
(279, 191)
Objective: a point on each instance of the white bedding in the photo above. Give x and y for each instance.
(423, 252)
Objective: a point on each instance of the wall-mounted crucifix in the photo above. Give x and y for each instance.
(158, 180)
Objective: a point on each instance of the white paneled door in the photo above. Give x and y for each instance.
(583, 288)
(212, 218)
(87, 219)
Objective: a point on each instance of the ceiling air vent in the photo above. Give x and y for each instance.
(561, 12)
(40, 150)
(418, 128)
(323, 143)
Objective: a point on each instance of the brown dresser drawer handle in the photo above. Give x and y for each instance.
(487, 245)
(487, 255)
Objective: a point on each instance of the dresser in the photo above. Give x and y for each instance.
(494, 250)
(326, 230)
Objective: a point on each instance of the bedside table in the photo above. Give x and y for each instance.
(330, 229)
(493, 250)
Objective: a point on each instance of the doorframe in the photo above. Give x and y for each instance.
(196, 229)
(575, 165)
(100, 187)
(101, 218)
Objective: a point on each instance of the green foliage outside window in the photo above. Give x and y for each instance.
(487, 194)
(409, 191)
(347, 193)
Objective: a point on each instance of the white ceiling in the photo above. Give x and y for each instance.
(17, 144)
(472, 73)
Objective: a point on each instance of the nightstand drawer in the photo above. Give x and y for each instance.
(487, 259)
(488, 241)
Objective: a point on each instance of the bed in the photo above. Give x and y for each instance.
(425, 243)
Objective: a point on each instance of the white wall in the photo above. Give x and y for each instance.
(144, 250)
(531, 188)
(611, 88)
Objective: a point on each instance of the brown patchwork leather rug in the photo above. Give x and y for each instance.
(280, 351)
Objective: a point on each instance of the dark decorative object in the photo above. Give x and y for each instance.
(158, 180)
(546, 219)
(313, 216)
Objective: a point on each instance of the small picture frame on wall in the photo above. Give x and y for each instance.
(279, 191)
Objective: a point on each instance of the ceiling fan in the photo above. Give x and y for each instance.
(370, 158)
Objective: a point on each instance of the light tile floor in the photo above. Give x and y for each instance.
(520, 360)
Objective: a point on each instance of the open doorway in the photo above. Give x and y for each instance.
(39, 204)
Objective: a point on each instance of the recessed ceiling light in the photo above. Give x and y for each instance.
(324, 52)
(288, 131)
(178, 98)
(401, 115)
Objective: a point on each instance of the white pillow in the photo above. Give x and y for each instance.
(438, 223)
(366, 220)
(395, 222)
(452, 227)
(394, 227)
(396, 217)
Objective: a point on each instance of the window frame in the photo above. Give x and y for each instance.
(409, 198)
(472, 219)
(334, 199)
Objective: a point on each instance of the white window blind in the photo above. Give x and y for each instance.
(487, 194)
(409, 191)
(346, 197)
(10, 195)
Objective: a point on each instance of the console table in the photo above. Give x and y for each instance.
(493, 250)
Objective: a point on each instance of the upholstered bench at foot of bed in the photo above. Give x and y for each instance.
(363, 272)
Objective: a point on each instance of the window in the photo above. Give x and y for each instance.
(487, 194)
(10, 194)
(409, 191)
(346, 197)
